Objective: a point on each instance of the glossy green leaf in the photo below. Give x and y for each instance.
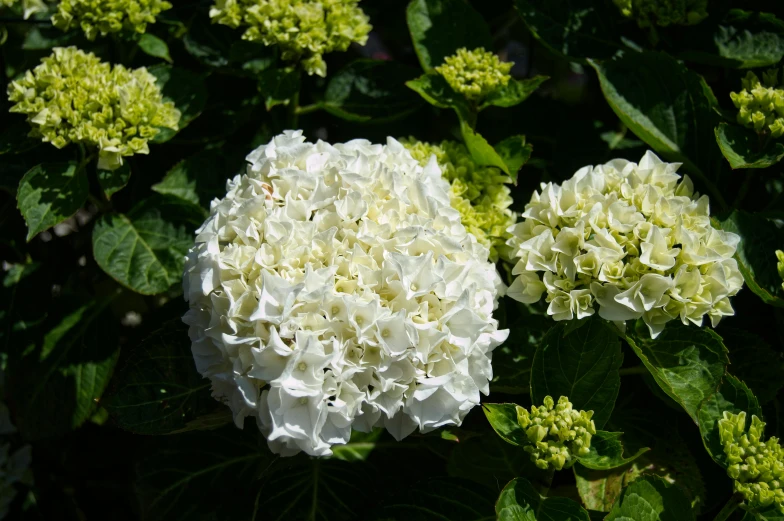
(112, 181)
(439, 498)
(54, 384)
(741, 147)
(278, 86)
(441, 27)
(733, 396)
(686, 362)
(159, 391)
(145, 249)
(186, 89)
(359, 447)
(743, 40)
(503, 419)
(653, 499)
(154, 46)
(581, 363)
(436, 91)
(202, 177)
(513, 359)
(50, 193)
(664, 104)
(368, 90)
(771, 513)
(747, 351)
(573, 28)
(756, 255)
(481, 151)
(519, 501)
(607, 452)
(513, 93)
(515, 153)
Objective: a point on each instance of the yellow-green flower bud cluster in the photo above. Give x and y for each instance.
(29, 7)
(756, 466)
(107, 16)
(304, 30)
(73, 97)
(761, 104)
(780, 265)
(664, 12)
(479, 193)
(475, 74)
(558, 433)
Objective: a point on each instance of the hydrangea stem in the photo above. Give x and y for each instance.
(730, 507)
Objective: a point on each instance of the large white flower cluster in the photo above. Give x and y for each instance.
(333, 288)
(632, 238)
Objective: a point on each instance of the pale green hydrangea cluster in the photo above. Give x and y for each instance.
(475, 74)
(756, 466)
(107, 16)
(73, 97)
(304, 30)
(761, 104)
(29, 7)
(780, 265)
(479, 193)
(664, 12)
(558, 433)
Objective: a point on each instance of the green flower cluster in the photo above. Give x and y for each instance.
(558, 434)
(107, 16)
(780, 265)
(760, 104)
(756, 466)
(29, 7)
(479, 193)
(73, 97)
(475, 74)
(664, 12)
(304, 30)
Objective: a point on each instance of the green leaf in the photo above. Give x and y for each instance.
(515, 153)
(279, 86)
(742, 40)
(756, 255)
(54, 385)
(359, 447)
(573, 28)
(733, 396)
(513, 93)
(112, 181)
(186, 89)
(374, 90)
(512, 361)
(746, 351)
(686, 362)
(740, 146)
(180, 476)
(519, 501)
(450, 499)
(154, 46)
(441, 27)
(653, 499)
(159, 391)
(145, 249)
(581, 363)
(436, 91)
(50, 193)
(663, 103)
(503, 420)
(481, 151)
(202, 177)
(607, 452)
(771, 513)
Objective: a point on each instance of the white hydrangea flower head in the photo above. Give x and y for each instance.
(632, 239)
(333, 288)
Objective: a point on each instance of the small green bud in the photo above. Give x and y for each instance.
(73, 97)
(760, 104)
(664, 12)
(304, 30)
(479, 193)
(780, 264)
(475, 74)
(757, 467)
(557, 433)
